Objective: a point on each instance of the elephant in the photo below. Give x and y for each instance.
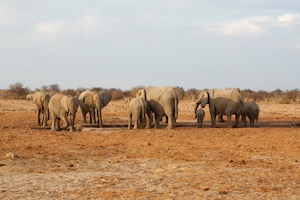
(163, 101)
(41, 101)
(200, 113)
(250, 110)
(60, 106)
(220, 116)
(225, 102)
(138, 110)
(91, 101)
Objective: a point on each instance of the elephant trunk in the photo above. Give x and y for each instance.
(72, 117)
(195, 108)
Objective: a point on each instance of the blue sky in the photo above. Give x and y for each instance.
(251, 44)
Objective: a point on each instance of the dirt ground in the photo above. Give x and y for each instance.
(117, 163)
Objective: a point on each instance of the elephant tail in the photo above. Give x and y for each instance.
(143, 110)
(176, 107)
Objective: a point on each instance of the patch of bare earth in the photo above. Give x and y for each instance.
(117, 163)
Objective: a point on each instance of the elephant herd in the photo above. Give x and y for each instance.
(150, 102)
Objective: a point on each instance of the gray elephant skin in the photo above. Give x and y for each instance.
(41, 101)
(138, 111)
(60, 106)
(200, 113)
(225, 102)
(92, 102)
(250, 110)
(163, 101)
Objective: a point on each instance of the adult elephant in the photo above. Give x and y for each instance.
(163, 101)
(225, 102)
(91, 102)
(60, 106)
(41, 101)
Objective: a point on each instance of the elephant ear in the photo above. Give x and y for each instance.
(65, 102)
(88, 100)
(105, 97)
(76, 101)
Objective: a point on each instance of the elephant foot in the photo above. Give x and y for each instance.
(134, 128)
(170, 127)
(147, 127)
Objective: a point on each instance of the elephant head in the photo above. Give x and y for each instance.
(203, 99)
(141, 93)
(70, 106)
(96, 101)
(29, 97)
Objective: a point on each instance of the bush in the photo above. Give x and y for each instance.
(17, 91)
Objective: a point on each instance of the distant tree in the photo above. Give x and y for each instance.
(70, 92)
(116, 94)
(97, 89)
(17, 91)
(191, 94)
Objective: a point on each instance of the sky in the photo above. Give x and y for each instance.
(250, 44)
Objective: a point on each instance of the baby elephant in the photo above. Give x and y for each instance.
(138, 110)
(250, 110)
(200, 113)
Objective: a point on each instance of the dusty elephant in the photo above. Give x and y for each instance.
(41, 101)
(220, 116)
(225, 102)
(200, 113)
(60, 106)
(138, 111)
(93, 102)
(250, 110)
(163, 101)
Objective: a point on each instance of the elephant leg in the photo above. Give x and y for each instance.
(170, 122)
(54, 119)
(38, 113)
(237, 121)
(65, 119)
(244, 120)
(251, 122)
(213, 116)
(92, 116)
(220, 118)
(229, 120)
(58, 124)
(157, 118)
(147, 121)
(84, 116)
(136, 122)
(129, 120)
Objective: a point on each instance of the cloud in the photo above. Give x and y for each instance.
(289, 17)
(50, 28)
(253, 26)
(242, 27)
(86, 25)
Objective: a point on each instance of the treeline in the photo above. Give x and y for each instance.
(18, 91)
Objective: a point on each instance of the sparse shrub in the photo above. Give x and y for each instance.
(116, 94)
(191, 94)
(17, 91)
(70, 92)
